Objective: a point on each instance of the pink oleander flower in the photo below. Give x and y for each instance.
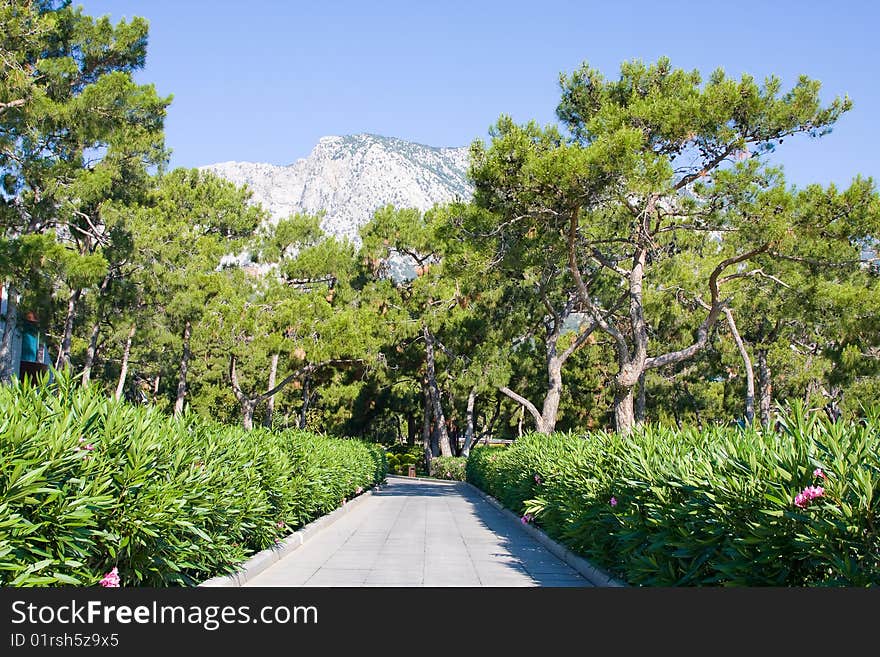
(527, 518)
(807, 495)
(280, 524)
(818, 473)
(111, 579)
(538, 479)
(613, 501)
(359, 490)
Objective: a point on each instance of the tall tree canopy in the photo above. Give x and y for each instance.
(657, 170)
(641, 259)
(75, 132)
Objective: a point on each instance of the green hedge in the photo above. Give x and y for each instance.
(401, 456)
(88, 484)
(449, 467)
(705, 508)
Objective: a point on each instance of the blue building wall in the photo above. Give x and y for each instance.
(29, 345)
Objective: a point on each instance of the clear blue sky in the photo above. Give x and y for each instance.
(262, 80)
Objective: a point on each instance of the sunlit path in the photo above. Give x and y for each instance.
(421, 533)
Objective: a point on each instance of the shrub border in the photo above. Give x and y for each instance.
(256, 564)
(591, 573)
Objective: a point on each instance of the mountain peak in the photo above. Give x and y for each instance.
(371, 137)
(349, 177)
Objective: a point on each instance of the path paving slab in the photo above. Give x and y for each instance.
(419, 532)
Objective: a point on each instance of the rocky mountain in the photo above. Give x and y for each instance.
(350, 177)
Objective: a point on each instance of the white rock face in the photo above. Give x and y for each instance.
(350, 177)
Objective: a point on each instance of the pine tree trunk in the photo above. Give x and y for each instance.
(469, 422)
(747, 365)
(436, 401)
(270, 403)
(303, 416)
(676, 416)
(490, 426)
(525, 404)
(67, 335)
(123, 371)
(765, 388)
(426, 426)
(624, 415)
(411, 429)
(91, 352)
(435, 440)
(641, 400)
(7, 365)
(248, 406)
(184, 365)
(551, 401)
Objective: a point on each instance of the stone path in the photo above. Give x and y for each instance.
(416, 532)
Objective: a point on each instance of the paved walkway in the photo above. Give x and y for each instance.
(416, 532)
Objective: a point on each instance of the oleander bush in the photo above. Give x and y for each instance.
(88, 483)
(449, 467)
(799, 506)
